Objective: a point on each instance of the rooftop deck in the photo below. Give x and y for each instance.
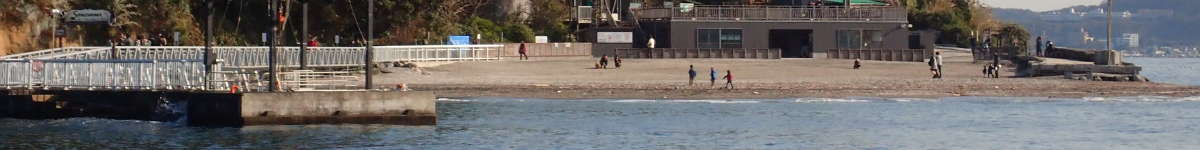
(776, 14)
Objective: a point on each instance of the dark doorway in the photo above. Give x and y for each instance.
(792, 43)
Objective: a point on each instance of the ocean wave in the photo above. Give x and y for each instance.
(829, 100)
(687, 101)
(717, 101)
(1143, 99)
(452, 100)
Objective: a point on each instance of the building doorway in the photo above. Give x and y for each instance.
(792, 43)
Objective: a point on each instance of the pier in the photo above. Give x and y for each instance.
(171, 83)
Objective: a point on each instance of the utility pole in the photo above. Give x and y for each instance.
(370, 54)
(271, 50)
(304, 34)
(1108, 45)
(208, 34)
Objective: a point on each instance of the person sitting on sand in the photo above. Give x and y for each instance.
(729, 79)
(691, 75)
(712, 74)
(617, 62)
(857, 63)
(604, 62)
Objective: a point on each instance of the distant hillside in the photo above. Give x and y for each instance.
(1157, 22)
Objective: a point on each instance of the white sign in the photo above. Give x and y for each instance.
(686, 7)
(541, 39)
(614, 37)
(89, 15)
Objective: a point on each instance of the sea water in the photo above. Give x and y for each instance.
(804, 123)
(801, 123)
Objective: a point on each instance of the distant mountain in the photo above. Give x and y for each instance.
(1157, 23)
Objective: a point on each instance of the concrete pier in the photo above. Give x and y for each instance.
(224, 109)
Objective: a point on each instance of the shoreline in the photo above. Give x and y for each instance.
(765, 92)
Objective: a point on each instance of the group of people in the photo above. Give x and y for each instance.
(603, 64)
(1041, 51)
(935, 65)
(712, 74)
(144, 40)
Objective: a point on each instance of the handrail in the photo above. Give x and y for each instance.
(777, 13)
(147, 75)
(257, 57)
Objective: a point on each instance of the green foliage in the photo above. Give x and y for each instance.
(518, 33)
(1014, 36)
(486, 28)
(958, 20)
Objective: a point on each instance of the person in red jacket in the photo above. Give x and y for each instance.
(522, 52)
(728, 79)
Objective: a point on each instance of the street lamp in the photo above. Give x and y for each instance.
(54, 13)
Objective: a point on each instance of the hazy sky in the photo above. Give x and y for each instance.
(1039, 5)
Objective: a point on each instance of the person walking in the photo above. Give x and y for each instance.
(712, 77)
(523, 52)
(604, 62)
(938, 62)
(729, 79)
(691, 75)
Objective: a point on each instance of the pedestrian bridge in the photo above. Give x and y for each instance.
(180, 68)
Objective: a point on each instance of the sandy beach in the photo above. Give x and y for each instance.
(574, 78)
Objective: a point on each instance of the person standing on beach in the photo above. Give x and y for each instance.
(522, 52)
(712, 74)
(1038, 47)
(729, 79)
(691, 75)
(604, 62)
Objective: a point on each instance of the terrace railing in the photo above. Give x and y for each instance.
(257, 57)
(777, 14)
(103, 74)
(672, 53)
(913, 55)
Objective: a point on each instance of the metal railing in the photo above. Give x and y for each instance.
(913, 55)
(145, 75)
(48, 52)
(257, 57)
(668, 53)
(777, 13)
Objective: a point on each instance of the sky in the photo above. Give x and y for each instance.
(1039, 5)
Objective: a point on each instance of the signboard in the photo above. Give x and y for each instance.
(614, 37)
(89, 16)
(541, 39)
(459, 40)
(686, 7)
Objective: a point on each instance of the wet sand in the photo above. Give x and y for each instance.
(574, 78)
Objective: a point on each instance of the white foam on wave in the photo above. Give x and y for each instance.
(687, 101)
(829, 100)
(717, 101)
(634, 101)
(452, 100)
(1143, 99)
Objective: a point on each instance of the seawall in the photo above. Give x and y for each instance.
(225, 109)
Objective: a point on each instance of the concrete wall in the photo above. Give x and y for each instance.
(418, 108)
(756, 34)
(223, 109)
(548, 49)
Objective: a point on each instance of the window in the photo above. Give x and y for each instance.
(858, 39)
(719, 38)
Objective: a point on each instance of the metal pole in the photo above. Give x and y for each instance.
(208, 34)
(304, 35)
(271, 50)
(1108, 43)
(367, 60)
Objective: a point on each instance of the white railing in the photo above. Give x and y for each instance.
(103, 74)
(437, 53)
(47, 52)
(777, 13)
(257, 57)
